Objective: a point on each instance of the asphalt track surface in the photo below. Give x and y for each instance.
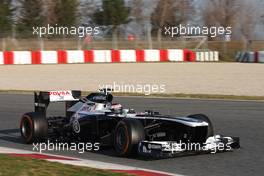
(244, 119)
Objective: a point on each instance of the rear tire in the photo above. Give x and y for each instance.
(128, 134)
(33, 127)
(210, 129)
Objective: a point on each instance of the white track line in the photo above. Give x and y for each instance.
(83, 162)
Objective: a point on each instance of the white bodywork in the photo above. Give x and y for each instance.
(86, 108)
(82, 109)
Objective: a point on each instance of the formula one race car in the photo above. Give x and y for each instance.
(95, 118)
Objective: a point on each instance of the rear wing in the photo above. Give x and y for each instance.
(43, 98)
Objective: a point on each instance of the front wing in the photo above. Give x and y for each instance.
(164, 149)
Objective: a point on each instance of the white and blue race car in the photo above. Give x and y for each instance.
(95, 118)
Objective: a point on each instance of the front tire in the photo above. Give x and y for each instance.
(33, 127)
(128, 134)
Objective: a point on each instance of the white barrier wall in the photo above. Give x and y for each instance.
(216, 56)
(200, 56)
(49, 57)
(207, 56)
(261, 56)
(175, 55)
(250, 57)
(128, 56)
(1, 58)
(152, 55)
(102, 56)
(109, 56)
(22, 57)
(75, 56)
